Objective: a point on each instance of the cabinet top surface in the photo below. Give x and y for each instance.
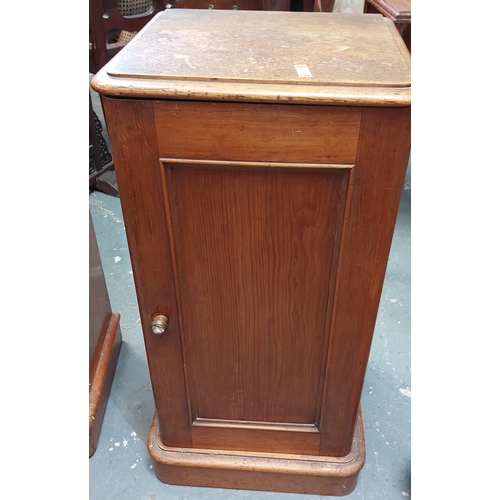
(272, 54)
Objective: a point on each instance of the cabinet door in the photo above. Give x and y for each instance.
(258, 230)
(253, 251)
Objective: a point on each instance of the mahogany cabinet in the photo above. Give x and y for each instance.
(260, 158)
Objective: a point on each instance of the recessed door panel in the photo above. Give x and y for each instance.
(253, 252)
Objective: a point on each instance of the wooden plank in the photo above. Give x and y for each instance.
(253, 132)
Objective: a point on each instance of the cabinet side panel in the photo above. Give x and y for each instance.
(379, 174)
(133, 140)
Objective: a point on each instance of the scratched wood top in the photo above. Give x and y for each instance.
(272, 53)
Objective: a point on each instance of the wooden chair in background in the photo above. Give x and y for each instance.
(100, 160)
(231, 4)
(112, 24)
(108, 18)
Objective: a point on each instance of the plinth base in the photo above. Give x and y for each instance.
(103, 377)
(307, 474)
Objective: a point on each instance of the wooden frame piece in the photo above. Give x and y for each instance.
(289, 473)
(101, 384)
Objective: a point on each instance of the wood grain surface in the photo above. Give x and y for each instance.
(251, 132)
(253, 47)
(262, 231)
(379, 174)
(270, 276)
(254, 253)
(290, 473)
(261, 55)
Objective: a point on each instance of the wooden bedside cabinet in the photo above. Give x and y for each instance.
(260, 158)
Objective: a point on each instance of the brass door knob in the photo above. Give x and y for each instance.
(159, 324)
